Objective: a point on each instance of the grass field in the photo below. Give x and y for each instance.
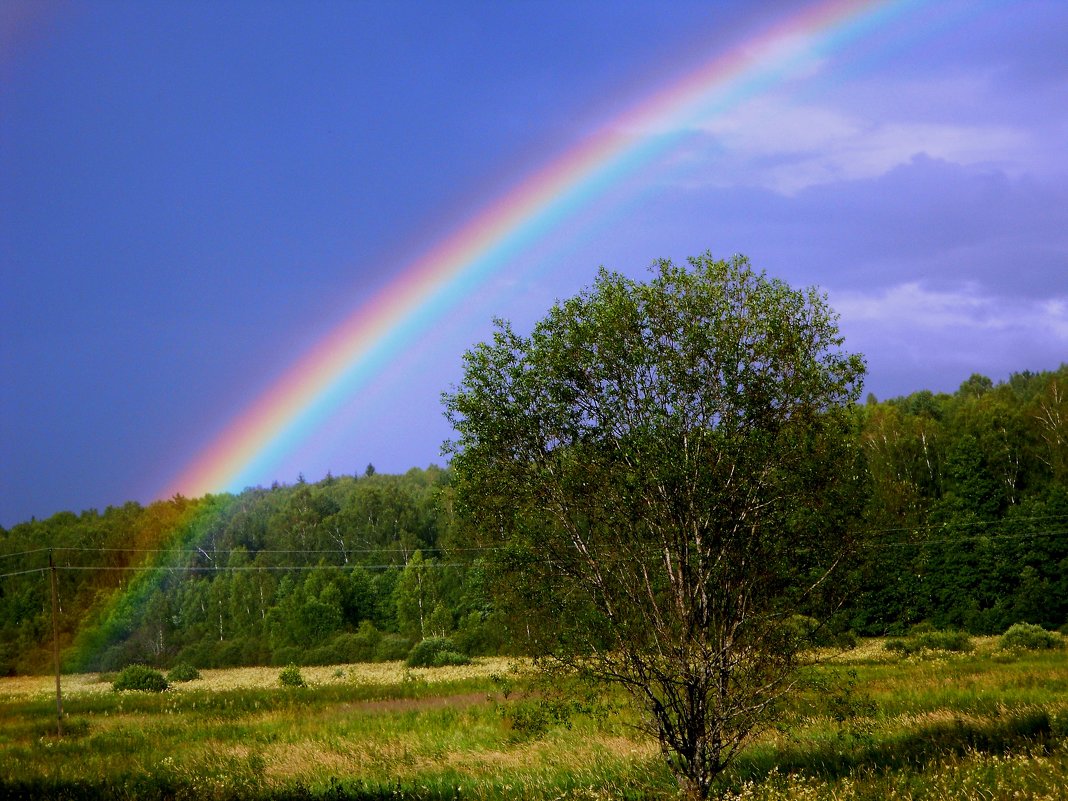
(986, 725)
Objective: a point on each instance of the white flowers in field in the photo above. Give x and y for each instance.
(969, 776)
(267, 677)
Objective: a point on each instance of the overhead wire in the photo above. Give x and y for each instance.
(221, 554)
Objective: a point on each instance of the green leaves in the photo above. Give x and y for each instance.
(664, 469)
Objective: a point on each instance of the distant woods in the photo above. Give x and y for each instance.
(969, 496)
(968, 505)
(347, 569)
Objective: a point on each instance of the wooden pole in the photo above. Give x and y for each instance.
(55, 644)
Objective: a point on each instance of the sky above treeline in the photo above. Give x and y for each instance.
(196, 196)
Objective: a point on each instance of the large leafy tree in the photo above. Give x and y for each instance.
(664, 470)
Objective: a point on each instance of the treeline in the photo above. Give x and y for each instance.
(969, 507)
(346, 569)
(967, 527)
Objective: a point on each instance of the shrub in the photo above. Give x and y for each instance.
(845, 639)
(117, 657)
(392, 647)
(225, 654)
(359, 646)
(480, 634)
(197, 654)
(8, 658)
(451, 659)
(183, 671)
(140, 677)
(287, 655)
(801, 630)
(435, 652)
(957, 641)
(323, 655)
(290, 677)
(1029, 637)
(424, 651)
(808, 632)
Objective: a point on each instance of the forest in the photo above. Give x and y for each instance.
(966, 517)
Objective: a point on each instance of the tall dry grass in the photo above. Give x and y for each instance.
(979, 725)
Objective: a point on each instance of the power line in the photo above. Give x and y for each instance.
(225, 569)
(967, 538)
(208, 569)
(247, 568)
(215, 555)
(25, 553)
(24, 572)
(308, 551)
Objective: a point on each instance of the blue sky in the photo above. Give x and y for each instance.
(193, 194)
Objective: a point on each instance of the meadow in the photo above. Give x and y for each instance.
(875, 724)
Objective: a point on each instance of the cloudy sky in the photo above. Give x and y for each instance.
(193, 196)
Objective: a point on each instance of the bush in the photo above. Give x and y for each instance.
(451, 659)
(117, 657)
(290, 677)
(287, 655)
(800, 630)
(365, 641)
(1029, 637)
(140, 677)
(803, 631)
(480, 634)
(226, 654)
(183, 671)
(323, 655)
(392, 647)
(197, 654)
(8, 658)
(957, 641)
(845, 639)
(358, 647)
(435, 652)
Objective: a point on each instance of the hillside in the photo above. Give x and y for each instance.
(968, 513)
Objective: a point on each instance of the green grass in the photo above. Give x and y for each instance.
(957, 726)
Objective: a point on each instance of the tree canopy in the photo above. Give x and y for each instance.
(666, 469)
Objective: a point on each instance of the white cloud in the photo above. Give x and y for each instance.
(964, 311)
(1056, 313)
(917, 337)
(784, 146)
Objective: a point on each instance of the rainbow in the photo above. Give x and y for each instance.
(157, 550)
(358, 349)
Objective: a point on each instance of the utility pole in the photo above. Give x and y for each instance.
(55, 644)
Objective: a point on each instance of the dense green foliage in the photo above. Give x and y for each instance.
(140, 677)
(664, 471)
(1029, 637)
(969, 507)
(183, 671)
(436, 652)
(291, 677)
(348, 569)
